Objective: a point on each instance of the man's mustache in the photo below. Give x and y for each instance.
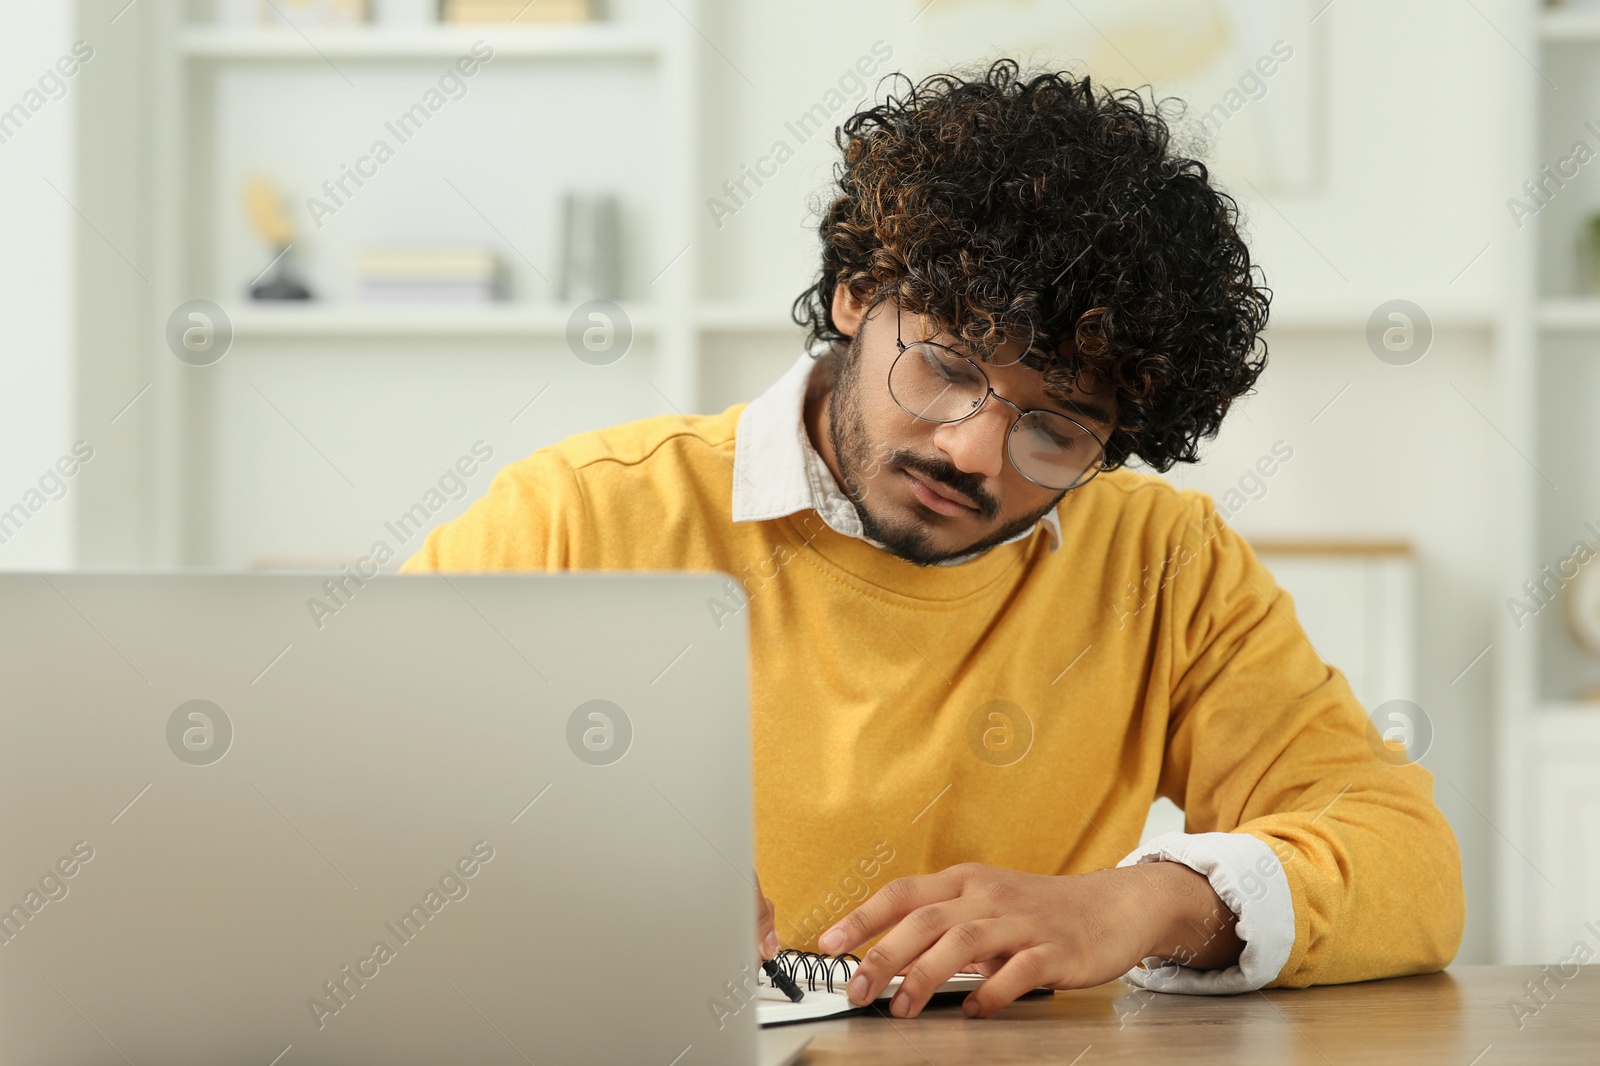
(969, 485)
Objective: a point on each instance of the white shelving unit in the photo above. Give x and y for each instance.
(405, 321)
(1547, 815)
(200, 114)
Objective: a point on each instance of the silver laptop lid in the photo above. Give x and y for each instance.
(489, 818)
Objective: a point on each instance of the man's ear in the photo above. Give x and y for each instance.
(848, 312)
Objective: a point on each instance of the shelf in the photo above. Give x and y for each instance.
(712, 317)
(748, 317)
(1575, 24)
(583, 40)
(376, 321)
(1570, 313)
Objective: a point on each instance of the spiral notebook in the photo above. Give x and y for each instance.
(822, 978)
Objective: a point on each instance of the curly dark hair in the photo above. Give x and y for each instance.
(1002, 208)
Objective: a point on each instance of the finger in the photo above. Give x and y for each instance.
(955, 952)
(766, 925)
(887, 906)
(1027, 970)
(906, 942)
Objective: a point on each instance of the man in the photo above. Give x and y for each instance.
(980, 645)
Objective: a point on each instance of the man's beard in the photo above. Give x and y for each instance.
(848, 434)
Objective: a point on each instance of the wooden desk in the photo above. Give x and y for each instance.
(1458, 1017)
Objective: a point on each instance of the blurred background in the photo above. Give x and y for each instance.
(273, 267)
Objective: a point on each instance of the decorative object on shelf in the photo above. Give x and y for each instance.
(591, 253)
(271, 223)
(431, 274)
(314, 12)
(519, 11)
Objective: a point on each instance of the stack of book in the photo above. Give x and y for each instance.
(431, 275)
(518, 10)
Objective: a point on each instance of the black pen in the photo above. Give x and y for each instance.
(781, 982)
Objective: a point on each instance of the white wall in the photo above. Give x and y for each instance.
(38, 233)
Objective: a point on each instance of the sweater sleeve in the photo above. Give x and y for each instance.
(531, 518)
(1266, 739)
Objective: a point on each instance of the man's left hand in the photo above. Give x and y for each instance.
(1024, 931)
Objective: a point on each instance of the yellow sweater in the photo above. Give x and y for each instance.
(1022, 709)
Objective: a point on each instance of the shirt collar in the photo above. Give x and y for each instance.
(777, 471)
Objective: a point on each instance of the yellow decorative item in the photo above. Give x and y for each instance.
(271, 223)
(267, 216)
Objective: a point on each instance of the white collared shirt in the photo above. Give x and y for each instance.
(777, 471)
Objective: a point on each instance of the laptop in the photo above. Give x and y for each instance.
(308, 818)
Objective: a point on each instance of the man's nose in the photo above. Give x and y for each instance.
(977, 443)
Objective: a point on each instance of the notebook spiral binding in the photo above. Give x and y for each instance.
(815, 970)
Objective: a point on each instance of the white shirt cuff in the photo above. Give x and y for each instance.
(1246, 874)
